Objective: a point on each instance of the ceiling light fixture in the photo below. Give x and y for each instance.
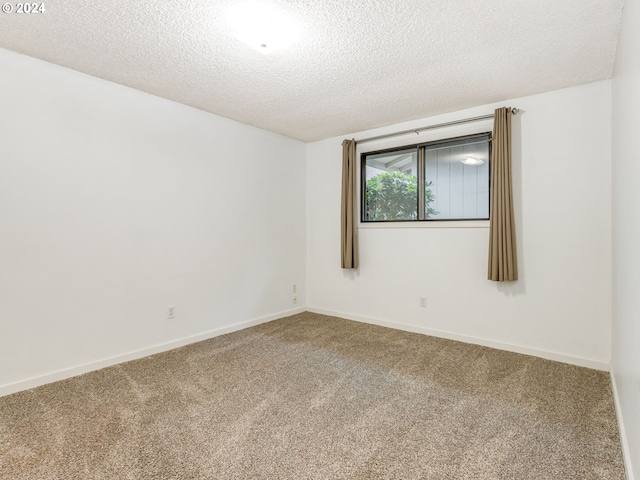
(472, 161)
(262, 26)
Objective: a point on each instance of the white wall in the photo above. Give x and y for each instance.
(626, 232)
(115, 204)
(561, 306)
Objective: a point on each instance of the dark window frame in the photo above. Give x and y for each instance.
(420, 148)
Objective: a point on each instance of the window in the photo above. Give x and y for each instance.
(442, 180)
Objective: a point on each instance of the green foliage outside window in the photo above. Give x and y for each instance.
(393, 196)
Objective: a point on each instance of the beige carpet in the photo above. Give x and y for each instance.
(315, 397)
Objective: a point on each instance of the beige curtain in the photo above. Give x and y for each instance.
(503, 266)
(348, 222)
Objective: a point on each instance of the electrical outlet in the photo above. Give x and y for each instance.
(423, 302)
(171, 312)
(295, 288)
(294, 299)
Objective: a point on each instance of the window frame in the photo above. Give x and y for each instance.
(420, 148)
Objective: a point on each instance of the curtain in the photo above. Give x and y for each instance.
(348, 223)
(503, 265)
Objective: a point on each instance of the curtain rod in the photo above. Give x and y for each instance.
(439, 125)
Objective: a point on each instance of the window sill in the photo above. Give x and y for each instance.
(441, 224)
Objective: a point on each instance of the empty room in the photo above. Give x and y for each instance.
(275, 239)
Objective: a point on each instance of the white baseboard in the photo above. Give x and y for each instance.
(558, 357)
(79, 370)
(145, 352)
(626, 453)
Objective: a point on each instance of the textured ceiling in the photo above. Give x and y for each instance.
(358, 64)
